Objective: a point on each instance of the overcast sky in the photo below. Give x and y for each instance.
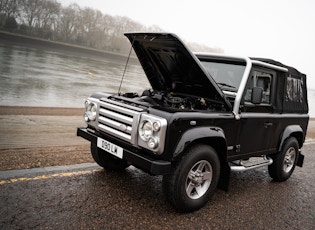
(283, 30)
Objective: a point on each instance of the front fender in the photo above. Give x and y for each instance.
(198, 133)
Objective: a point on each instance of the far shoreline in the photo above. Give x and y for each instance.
(65, 48)
(41, 111)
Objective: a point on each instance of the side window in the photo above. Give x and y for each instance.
(261, 79)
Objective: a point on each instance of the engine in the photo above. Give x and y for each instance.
(175, 101)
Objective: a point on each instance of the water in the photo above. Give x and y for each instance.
(32, 77)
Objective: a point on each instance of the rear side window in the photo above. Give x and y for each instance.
(294, 90)
(295, 95)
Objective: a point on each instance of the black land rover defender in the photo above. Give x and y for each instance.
(205, 115)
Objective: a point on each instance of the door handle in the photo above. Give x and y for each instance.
(268, 124)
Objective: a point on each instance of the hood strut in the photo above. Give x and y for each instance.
(123, 76)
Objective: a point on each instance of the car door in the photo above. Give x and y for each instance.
(257, 120)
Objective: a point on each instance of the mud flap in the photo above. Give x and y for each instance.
(300, 160)
(224, 177)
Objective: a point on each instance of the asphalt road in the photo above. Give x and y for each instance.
(91, 198)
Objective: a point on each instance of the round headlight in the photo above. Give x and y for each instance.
(146, 130)
(153, 142)
(90, 111)
(156, 126)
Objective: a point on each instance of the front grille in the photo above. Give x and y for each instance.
(119, 119)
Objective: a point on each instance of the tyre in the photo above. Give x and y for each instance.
(106, 160)
(284, 162)
(193, 178)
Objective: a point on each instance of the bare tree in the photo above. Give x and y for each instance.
(153, 28)
(87, 26)
(67, 21)
(8, 8)
(48, 14)
(97, 34)
(30, 12)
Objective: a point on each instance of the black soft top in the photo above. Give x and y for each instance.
(291, 90)
(291, 70)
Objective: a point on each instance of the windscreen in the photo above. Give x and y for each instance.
(227, 75)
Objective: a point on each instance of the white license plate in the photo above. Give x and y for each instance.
(110, 147)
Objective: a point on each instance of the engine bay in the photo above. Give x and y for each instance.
(171, 100)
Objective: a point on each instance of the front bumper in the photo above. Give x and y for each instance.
(146, 163)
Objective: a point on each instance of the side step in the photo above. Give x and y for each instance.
(251, 163)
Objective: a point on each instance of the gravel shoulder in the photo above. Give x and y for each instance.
(33, 137)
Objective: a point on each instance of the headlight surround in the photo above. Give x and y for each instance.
(90, 111)
(151, 132)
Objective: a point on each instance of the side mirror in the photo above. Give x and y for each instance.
(257, 95)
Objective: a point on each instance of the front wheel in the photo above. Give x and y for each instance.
(106, 160)
(193, 178)
(284, 162)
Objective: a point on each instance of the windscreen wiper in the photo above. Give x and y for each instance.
(226, 85)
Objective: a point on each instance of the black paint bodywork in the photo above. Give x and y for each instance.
(257, 130)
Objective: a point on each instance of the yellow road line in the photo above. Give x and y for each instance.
(43, 177)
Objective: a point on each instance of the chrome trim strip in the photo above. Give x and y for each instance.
(115, 124)
(115, 132)
(117, 116)
(264, 64)
(242, 168)
(228, 93)
(137, 109)
(118, 108)
(134, 127)
(230, 148)
(241, 88)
